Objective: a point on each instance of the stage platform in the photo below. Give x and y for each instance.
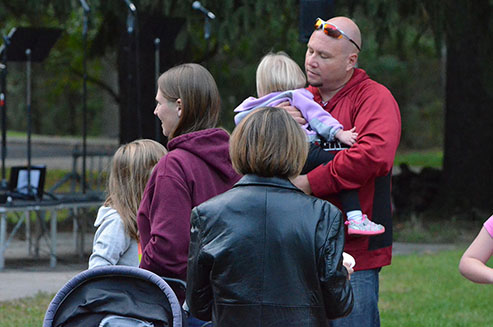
(44, 210)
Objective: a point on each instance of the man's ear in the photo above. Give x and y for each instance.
(178, 107)
(352, 61)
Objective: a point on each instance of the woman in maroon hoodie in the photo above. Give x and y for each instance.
(197, 168)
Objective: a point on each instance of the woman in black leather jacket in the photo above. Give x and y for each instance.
(264, 253)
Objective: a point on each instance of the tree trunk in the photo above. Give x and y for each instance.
(468, 149)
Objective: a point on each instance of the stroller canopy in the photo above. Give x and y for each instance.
(100, 293)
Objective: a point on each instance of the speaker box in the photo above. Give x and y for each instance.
(311, 10)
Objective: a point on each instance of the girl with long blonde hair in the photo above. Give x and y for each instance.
(116, 239)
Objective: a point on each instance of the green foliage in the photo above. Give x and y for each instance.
(57, 82)
(401, 49)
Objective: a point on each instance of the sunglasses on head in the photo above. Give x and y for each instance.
(333, 31)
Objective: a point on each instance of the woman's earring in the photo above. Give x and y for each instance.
(178, 107)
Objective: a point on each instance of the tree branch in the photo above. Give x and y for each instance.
(99, 83)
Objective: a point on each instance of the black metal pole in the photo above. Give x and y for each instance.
(84, 100)
(207, 35)
(137, 76)
(130, 31)
(3, 108)
(29, 121)
(157, 42)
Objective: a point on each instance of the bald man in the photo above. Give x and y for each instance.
(350, 96)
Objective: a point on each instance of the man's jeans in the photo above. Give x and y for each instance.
(194, 322)
(365, 311)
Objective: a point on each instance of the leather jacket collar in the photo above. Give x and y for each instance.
(251, 179)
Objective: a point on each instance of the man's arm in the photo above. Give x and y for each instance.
(377, 116)
(293, 112)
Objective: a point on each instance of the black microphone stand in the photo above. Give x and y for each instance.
(3, 108)
(130, 30)
(133, 35)
(207, 28)
(208, 16)
(84, 96)
(207, 34)
(157, 42)
(137, 75)
(29, 120)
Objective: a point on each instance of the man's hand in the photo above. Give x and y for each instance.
(302, 183)
(293, 112)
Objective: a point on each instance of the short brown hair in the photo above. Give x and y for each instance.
(278, 72)
(196, 88)
(269, 143)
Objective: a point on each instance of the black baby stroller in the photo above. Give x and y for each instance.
(115, 296)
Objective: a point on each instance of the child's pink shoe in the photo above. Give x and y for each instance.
(364, 227)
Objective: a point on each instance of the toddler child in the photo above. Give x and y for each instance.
(116, 239)
(280, 79)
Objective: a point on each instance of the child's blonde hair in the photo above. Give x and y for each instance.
(278, 72)
(131, 167)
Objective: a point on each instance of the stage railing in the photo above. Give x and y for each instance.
(97, 169)
(23, 210)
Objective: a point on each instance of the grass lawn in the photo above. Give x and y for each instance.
(24, 312)
(427, 290)
(416, 290)
(420, 158)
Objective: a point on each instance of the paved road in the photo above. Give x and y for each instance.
(25, 277)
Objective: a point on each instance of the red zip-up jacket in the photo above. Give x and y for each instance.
(367, 165)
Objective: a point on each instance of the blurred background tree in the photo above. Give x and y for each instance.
(435, 57)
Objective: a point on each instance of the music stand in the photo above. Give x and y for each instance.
(27, 44)
(18, 184)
